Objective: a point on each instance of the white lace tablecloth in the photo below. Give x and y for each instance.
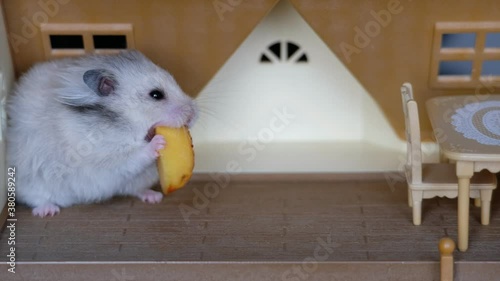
(479, 121)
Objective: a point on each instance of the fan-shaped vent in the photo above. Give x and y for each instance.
(284, 52)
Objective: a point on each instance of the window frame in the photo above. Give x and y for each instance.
(477, 54)
(87, 31)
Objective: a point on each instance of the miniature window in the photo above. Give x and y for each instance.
(491, 67)
(455, 67)
(66, 42)
(110, 41)
(61, 40)
(458, 40)
(493, 40)
(466, 55)
(283, 51)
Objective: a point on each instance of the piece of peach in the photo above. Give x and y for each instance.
(176, 160)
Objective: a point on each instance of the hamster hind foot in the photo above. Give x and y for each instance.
(46, 210)
(150, 196)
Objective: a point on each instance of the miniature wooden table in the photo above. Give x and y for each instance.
(467, 129)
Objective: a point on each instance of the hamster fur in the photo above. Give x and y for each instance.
(81, 129)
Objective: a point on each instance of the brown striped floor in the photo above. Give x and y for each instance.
(257, 220)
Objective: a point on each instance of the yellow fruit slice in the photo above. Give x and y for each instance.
(176, 161)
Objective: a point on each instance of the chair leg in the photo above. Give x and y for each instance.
(485, 206)
(477, 202)
(410, 200)
(417, 206)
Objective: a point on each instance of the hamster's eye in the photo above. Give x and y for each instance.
(157, 94)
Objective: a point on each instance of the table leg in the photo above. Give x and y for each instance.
(465, 170)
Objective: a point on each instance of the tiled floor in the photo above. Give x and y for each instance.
(256, 221)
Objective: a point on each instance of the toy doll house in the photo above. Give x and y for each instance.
(299, 146)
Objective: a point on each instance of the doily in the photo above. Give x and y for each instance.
(479, 121)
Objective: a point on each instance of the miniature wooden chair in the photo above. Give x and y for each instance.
(428, 180)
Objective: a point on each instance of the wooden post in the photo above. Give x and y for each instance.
(446, 248)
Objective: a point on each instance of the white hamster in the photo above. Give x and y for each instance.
(81, 130)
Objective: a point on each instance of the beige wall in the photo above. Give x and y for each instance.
(194, 39)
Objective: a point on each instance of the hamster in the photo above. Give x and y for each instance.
(81, 130)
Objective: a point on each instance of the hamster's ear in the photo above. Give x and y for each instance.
(100, 81)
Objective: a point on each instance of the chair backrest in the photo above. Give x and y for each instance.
(406, 96)
(412, 124)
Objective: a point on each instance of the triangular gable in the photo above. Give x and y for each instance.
(284, 69)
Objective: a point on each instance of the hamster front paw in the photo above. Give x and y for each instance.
(157, 143)
(151, 196)
(46, 210)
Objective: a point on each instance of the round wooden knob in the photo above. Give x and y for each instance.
(446, 246)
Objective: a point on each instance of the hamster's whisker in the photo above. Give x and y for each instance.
(226, 92)
(212, 98)
(218, 121)
(212, 104)
(208, 112)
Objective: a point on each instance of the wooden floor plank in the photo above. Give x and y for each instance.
(256, 221)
